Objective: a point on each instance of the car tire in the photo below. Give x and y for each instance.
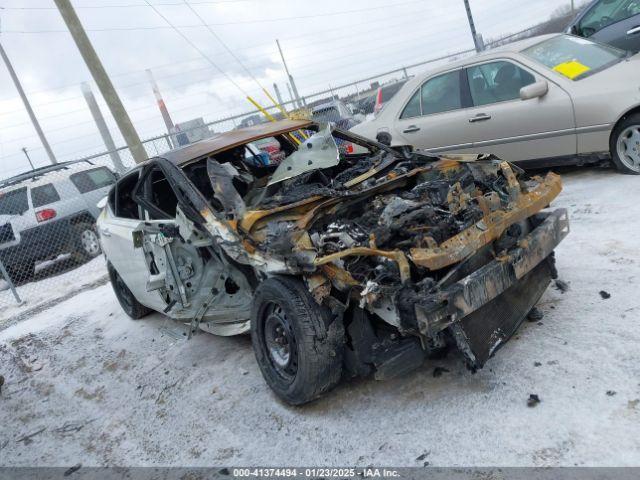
(297, 343)
(86, 242)
(127, 301)
(625, 145)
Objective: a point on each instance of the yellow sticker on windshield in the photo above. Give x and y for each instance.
(571, 69)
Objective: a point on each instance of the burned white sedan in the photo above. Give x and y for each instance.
(335, 263)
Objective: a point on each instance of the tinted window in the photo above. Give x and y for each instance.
(14, 202)
(605, 13)
(44, 195)
(438, 95)
(413, 107)
(90, 180)
(497, 82)
(441, 94)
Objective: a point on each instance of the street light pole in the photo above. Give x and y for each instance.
(100, 76)
(291, 81)
(476, 38)
(27, 106)
(26, 154)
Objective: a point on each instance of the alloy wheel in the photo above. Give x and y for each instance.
(90, 243)
(628, 147)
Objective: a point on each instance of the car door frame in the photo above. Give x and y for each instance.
(116, 237)
(191, 203)
(538, 75)
(465, 102)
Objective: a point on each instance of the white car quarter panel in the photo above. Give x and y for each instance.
(117, 244)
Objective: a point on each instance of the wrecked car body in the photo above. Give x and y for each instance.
(366, 263)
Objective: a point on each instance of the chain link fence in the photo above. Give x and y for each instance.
(48, 241)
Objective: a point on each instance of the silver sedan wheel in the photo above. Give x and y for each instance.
(90, 242)
(628, 147)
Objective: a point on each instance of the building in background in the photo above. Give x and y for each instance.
(190, 131)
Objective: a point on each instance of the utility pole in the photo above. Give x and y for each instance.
(293, 100)
(27, 106)
(100, 76)
(26, 154)
(161, 105)
(102, 127)
(573, 6)
(476, 38)
(278, 96)
(291, 81)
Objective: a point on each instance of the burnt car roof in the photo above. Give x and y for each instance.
(234, 138)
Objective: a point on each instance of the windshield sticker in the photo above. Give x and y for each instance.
(571, 69)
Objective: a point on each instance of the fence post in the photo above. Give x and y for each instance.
(5, 275)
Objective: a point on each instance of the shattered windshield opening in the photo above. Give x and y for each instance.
(317, 152)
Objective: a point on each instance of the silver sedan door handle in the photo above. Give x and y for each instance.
(411, 129)
(481, 117)
(634, 30)
(105, 232)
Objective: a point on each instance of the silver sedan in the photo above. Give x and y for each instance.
(550, 100)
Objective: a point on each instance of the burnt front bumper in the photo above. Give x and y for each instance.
(485, 308)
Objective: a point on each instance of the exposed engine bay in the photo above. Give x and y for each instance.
(395, 234)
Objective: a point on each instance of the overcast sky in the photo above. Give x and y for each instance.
(331, 42)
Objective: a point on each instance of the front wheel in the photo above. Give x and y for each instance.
(297, 343)
(625, 145)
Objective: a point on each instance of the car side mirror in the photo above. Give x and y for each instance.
(535, 90)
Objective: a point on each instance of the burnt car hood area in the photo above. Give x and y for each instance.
(356, 264)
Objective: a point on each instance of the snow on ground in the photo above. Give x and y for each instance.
(53, 280)
(99, 389)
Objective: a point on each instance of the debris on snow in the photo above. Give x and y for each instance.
(73, 469)
(27, 439)
(420, 458)
(562, 286)
(605, 295)
(533, 400)
(535, 315)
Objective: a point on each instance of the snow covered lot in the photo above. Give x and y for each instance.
(84, 384)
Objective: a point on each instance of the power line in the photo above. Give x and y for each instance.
(351, 33)
(238, 22)
(215, 35)
(195, 47)
(131, 5)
